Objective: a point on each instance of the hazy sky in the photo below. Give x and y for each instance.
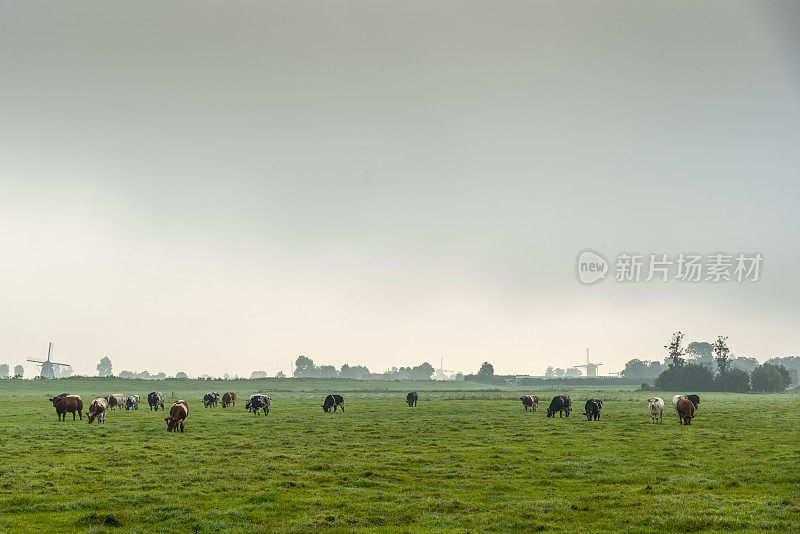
(216, 187)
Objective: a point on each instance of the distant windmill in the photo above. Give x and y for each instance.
(48, 367)
(591, 368)
(440, 372)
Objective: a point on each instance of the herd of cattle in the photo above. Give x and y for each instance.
(685, 406)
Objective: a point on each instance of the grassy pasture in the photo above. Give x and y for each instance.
(461, 461)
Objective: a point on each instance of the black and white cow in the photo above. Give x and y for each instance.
(132, 402)
(210, 399)
(560, 404)
(593, 407)
(411, 399)
(695, 400)
(155, 399)
(333, 401)
(258, 402)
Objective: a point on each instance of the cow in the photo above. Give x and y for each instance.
(228, 399)
(530, 401)
(258, 402)
(155, 399)
(560, 403)
(210, 399)
(592, 409)
(116, 400)
(63, 394)
(675, 400)
(411, 399)
(177, 416)
(685, 411)
(132, 402)
(97, 410)
(695, 400)
(69, 403)
(333, 401)
(656, 409)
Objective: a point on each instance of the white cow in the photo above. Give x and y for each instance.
(656, 408)
(675, 400)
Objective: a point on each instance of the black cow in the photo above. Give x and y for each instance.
(593, 407)
(64, 395)
(560, 403)
(210, 399)
(333, 401)
(258, 402)
(695, 400)
(411, 399)
(155, 399)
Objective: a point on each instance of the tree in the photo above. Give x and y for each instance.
(637, 369)
(356, 372)
(258, 374)
(722, 354)
(485, 373)
(745, 364)
(326, 371)
(424, 371)
(675, 350)
(688, 377)
(735, 380)
(181, 374)
(574, 372)
(702, 353)
(18, 371)
(459, 377)
(104, 367)
(770, 378)
(560, 372)
(304, 367)
(550, 373)
(280, 375)
(792, 363)
(4, 370)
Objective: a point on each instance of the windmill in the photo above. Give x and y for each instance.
(440, 372)
(591, 368)
(48, 367)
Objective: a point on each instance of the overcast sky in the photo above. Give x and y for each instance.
(215, 187)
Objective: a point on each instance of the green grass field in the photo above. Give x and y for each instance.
(463, 460)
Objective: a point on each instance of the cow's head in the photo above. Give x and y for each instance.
(53, 400)
(172, 424)
(325, 408)
(91, 416)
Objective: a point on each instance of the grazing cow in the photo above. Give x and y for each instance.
(97, 410)
(592, 409)
(177, 416)
(228, 399)
(656, 409)
(155, 399)
(116, 400)
(210, 399)
(411, 399)
(685, 411)
(560, 403)
(695, 400)
(333, 401)
(132, 402)
(258, 402)
(69, 403)
(530, 401)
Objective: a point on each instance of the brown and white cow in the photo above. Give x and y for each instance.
(97, 410)
(68, 403)
(228, 399)
(116, 400)
(685, 410)
(530, 401)
(177, 416)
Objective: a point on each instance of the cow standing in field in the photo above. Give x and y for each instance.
(695, 400)
(685, 410)
(656, 409)
(333, 401)
(68, 403)
(177, 416)
(258, 402)
(530, 401)
(228, 399)
(97, 410)
(132, 402)
(210, 399)
(411, 399)
(116, 400)
(675, 400)
(592, 409)
(155, 399)
(560, 403)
